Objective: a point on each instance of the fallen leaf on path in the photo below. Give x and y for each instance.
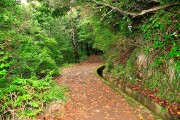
(140, 117)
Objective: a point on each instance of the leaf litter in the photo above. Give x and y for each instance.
(91, 99)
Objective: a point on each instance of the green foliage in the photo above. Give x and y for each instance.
(161, 35)
(103, 38)
(55, 93)
(62, 34)
(37, 38)
(156, 34)
(5, 63)
(28, 60)
(26, 97)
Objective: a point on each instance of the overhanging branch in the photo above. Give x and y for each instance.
(105, 15)
(155, 9)
(133, 14)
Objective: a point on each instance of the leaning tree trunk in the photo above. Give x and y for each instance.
(76, 55)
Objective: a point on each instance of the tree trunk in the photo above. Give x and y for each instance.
(87, 49)
(76, 55)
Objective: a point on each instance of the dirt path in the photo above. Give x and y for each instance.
(91, 99)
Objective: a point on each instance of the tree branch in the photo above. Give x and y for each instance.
(155, 9)
(106, 15)
(132, 14)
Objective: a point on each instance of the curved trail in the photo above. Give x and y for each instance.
(91, 99)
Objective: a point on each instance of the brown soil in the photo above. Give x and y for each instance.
(91, 99)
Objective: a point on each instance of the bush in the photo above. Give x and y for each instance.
(28, 97)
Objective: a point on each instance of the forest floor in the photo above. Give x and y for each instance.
(90, 99)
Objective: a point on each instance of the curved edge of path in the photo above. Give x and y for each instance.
(91, 99)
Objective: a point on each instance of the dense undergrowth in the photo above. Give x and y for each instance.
(33, 44)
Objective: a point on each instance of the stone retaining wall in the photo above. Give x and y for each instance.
(147, 102)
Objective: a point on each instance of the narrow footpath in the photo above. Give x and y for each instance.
(91, 99)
